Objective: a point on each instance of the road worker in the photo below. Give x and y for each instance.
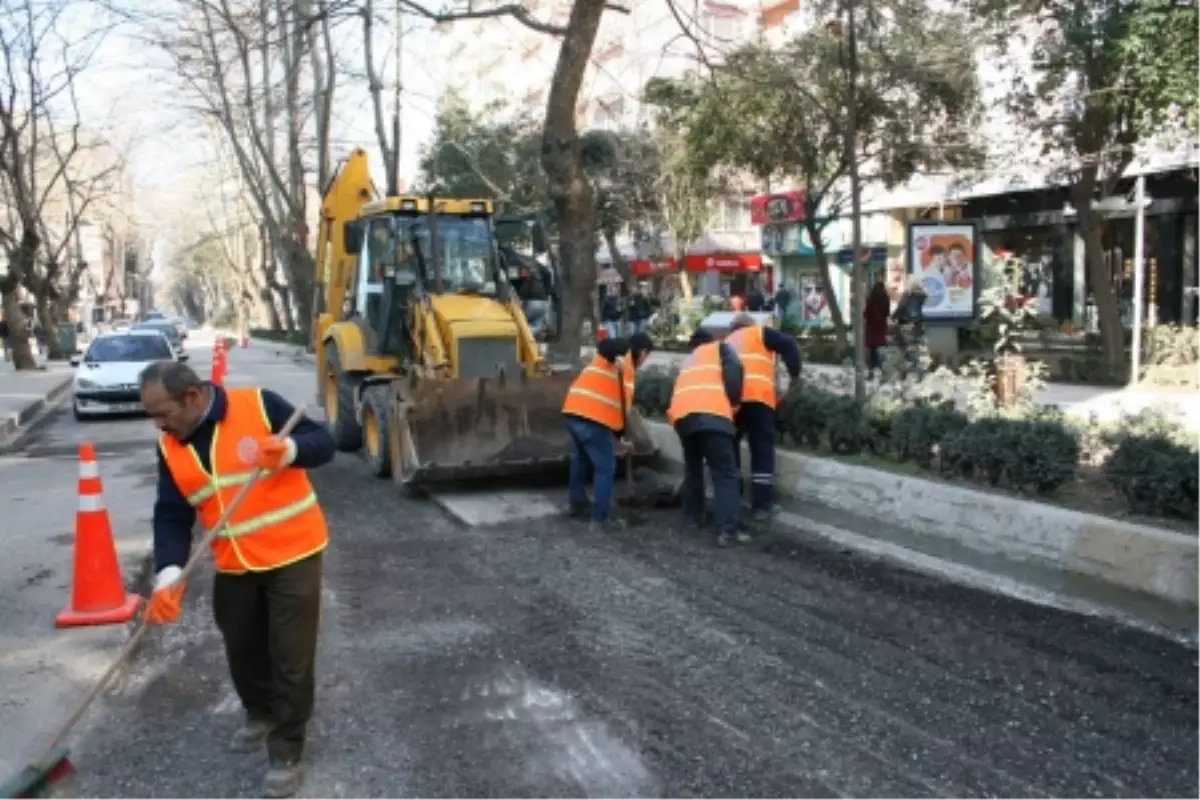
(703, 403)
(757, 347)
(267, 590)
(595, 410)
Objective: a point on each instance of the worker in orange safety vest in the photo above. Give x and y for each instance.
(267, 590)
(758, 347)
(595, 410)
(703, 401)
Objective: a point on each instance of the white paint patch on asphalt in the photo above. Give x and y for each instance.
(565, 742)
(431, 637)
(476, 509)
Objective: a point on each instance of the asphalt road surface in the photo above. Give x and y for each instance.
(540, 659)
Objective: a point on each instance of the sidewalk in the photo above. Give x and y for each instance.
(23, 395)
(1106, 402)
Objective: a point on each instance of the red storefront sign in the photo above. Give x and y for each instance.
(723, 262)
(648, 268)
(766, 209)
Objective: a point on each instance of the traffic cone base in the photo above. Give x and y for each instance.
(70, 618)
(98, 595)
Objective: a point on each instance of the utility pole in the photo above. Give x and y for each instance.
(1139, 272)
(858, 273)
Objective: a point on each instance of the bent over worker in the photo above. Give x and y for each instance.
(267, 590)
(757, 347)
(596, 409)
(702, 406)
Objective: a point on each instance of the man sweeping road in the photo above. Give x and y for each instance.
(267, 591)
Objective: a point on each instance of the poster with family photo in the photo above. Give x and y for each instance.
(945, 255)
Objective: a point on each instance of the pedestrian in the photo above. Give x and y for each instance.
(756, 301)
(4, 340)
(909, 315)
(783, 299)
(875, 326)
(595, 411)
(267, 590)
(610, 314)
(639, 310)
(703, 400)
(758, 347)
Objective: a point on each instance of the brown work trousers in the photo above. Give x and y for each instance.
(269, 623)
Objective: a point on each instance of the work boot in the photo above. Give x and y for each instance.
(762, 516)
(250, 736)
(579, 510)
(610, 525)
(283, 778)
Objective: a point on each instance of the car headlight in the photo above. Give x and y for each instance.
(84, 383)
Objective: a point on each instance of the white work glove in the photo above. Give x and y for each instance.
(166, 577)
(274, 453)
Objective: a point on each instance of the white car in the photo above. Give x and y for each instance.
(106, 377)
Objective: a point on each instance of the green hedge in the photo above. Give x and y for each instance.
(1150, 460)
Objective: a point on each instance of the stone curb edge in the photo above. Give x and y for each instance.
(11, 427)
(1155, 562)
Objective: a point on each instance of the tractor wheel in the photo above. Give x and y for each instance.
(376, 449)
(338, 396)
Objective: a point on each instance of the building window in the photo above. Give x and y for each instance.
(721, 23)
(731, 214)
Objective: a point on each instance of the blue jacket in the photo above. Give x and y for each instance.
(174, 517)
(785, 347)
(732, 375)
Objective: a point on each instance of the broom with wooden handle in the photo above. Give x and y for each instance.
(53, 762)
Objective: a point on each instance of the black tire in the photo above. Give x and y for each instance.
(376, 450)
(342, 424)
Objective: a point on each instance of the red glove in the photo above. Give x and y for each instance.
(275, 453)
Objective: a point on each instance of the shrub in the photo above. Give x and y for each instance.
(1156, 474)
(652, 392)
(848, 429)
(879, 413)
(802, 416)
(917, 430)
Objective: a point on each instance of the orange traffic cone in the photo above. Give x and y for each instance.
(98, 595)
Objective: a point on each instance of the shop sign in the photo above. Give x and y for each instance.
(649, 267)
(780, 207)
(723, 262)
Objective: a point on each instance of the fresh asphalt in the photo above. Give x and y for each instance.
(541, 659)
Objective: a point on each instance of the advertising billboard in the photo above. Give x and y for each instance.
(946, 256)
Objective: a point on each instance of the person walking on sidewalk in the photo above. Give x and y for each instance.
(707, 391)
(757, 348)
(910, 316)
(875, 319)
(595, 411)
(267, 590)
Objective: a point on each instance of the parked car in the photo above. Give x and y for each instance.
(166, 328)
(106, 376)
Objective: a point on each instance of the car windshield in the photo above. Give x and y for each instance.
(165, 328)
(464, 246)
(128, 348)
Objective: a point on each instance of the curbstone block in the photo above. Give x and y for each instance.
(1158, 563)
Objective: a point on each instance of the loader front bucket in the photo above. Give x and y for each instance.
(485, 429)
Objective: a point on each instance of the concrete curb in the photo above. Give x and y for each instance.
(11, 426)
(1152, 562)
(293, 351)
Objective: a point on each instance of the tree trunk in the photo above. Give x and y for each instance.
(835, 310)
(45, 312)
(1107, 312)
(18, 333)
(566, 182)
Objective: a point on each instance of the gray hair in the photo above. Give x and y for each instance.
(174, 376)
(741, 320)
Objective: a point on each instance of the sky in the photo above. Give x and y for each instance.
(131, 89)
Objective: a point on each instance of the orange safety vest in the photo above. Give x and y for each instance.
(758, 384)
(700, 386)
(596, 393)
(279, 522)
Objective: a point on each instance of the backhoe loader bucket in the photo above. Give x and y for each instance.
(492, 428)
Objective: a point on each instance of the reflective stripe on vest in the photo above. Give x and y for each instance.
(758, 382)
(596, 392)
(279, 521)
(700, 386)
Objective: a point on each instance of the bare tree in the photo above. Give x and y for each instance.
(40, 141)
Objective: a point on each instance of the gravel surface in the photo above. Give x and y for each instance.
(540, 659)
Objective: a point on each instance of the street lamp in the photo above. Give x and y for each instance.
(1116, 204)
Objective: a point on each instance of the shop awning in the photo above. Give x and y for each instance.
(649, 267)
(723, 262)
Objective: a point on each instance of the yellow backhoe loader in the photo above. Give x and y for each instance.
(424, 357)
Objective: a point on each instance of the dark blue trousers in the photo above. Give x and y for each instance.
(756, 423)
(715, 449)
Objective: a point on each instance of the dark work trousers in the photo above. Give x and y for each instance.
(269, 622)
(716, 449)
(756, 423)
